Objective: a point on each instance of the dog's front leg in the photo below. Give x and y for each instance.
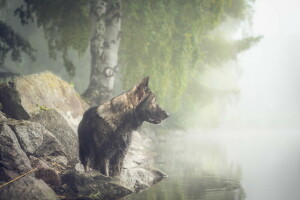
(102, 164)
(106, 167)
(116, 163)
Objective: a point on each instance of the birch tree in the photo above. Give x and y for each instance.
(77, 25)
(104, 44)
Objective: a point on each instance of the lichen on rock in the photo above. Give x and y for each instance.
(26, 95)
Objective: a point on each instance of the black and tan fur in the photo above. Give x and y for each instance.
(105, 131)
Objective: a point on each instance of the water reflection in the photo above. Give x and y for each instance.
(197, 169)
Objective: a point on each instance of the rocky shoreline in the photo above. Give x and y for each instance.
(38, 122)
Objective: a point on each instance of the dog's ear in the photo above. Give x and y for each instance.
(144, 82)
(146, 101)
(142, 88)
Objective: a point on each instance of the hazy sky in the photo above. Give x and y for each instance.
(270, 99)
(270, 83)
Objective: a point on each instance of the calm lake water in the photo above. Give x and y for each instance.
(228, 165)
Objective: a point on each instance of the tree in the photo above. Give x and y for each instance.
(106, 16)
(174, 41)
(11, 42)
(70, 24)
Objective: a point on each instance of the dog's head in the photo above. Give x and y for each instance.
(147, 108)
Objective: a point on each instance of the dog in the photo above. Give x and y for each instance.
(105, 131)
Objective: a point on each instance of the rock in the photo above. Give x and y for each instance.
(139, 186)
(2, 116)
(14, 160)
(56, 124)
(27, 188)
(59, 163)
(138, 173)
(93, 183)
(35, 139)
(37, 162)
(72, 163)
(158, 175)
(141, 178)
(11, 101)
(49, 175)
(79, 167)
(28, 95)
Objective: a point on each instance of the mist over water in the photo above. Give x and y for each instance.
(254, 154)
(262, 132)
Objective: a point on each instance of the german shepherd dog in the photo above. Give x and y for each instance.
(105, 131)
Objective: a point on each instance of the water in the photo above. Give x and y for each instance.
(228, 165)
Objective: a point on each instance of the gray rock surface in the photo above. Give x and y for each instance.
(2, 116)
(11, 101)
(27, 188)
(93, 182)
(56, 124)
(28, 95)
(13, 160)
(35, 139)
(49, 175)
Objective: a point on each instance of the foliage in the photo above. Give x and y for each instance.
(2, 3)
(42, 107)
(95, 195)
(172, 42)
(237, 8)
(12, 42)
(219, 49)
(66, 24)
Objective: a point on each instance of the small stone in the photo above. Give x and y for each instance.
(49, 175)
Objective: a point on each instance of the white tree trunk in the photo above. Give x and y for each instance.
(105, 16)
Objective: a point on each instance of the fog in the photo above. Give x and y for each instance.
(262, 131)
(266, 138)
(270, 85)
(257, 140)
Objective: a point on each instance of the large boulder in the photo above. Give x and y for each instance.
(13, 160)
(27, 188)
(26, 96)
(93, 183)
(13, 163)
(58, 126)
(35, 139)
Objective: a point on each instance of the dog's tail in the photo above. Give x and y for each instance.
(82, 157)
